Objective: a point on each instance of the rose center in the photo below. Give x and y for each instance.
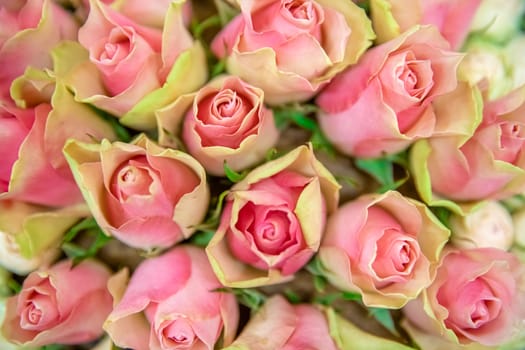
(34, 314)
(117, 46)
(178, 332)
(132, 179)
(301, 10)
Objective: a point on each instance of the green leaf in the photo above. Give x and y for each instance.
(384, 317)
(232, 175)
(316, 269)
(53, 347)
(218, 68)
(121, 131)
(321, 143)
(292, 296)
(85, 224)
(199, 27)
(351, 296)
(381, 169)
(443, 214)
(202, 238)
(250, 298)
(14, 286)
(327, 299)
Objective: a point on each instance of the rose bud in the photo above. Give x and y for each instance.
(273, 221)
(225, 121)
(171, 302)
(62, 304)
(389, 95)
(487, 226)
(384, 246)
(478, 296)
(261, 45)
(142, 194)
(498, 20)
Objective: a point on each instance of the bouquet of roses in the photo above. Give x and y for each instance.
(262, 174)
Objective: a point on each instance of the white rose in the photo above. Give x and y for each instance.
(490, 225)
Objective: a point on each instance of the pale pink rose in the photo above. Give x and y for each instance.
(489, 165)
(452, 18)
(225, 121)
(28, 32)
(171, 302)
(133, 69)
(282, 326)
(144, 195)
(273, 220)
(478, 296)
(32, 166)
(61, 304)
(383, 246)
(384, 103)
(151, 13)
(264, 42)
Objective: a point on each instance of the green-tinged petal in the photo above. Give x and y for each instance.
(72, 120)
(35, 86)
(188, 74)
(459, 112)
(383, 21)
(418, 167)
(347, 336)
(44, 230)
(307, 210)
(429, 341)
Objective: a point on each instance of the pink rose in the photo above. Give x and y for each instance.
(484, 303)
(273, 220)
(383, 104)
(226, 121)
(489, 165)
(452, 18)
(32, 166)
(383, 246)
(171, 303)
(28, 32)
(62, 304)
(133, 69)
(279, 325)
(144, 195)
(262, 45)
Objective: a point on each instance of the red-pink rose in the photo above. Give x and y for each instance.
(382, 104)
(62, 304)
(171, 303)
(273, 220)
(478, 296)
(225, 121)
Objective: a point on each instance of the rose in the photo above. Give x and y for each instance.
(227, 122)
(30, 30)
(30, 235)
(483, 304)
(489, 225)
(388, 94)
(129, 69)
(171, 303)
(144, 195)
(32, 166)
(152, 13)
(280, 325)
(488, 165)
(452, 18)
(385, 247)
(263, 42)
(62, 304)
(273, 220)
